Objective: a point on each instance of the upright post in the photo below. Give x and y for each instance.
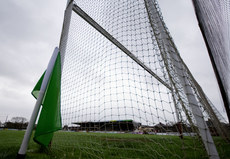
(26, 139)
(65, 30)
(167, 47)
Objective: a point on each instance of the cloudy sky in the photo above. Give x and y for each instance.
(29, 31)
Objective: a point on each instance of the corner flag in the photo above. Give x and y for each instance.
(50, 116)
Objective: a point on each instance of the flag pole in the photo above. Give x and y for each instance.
(26, 139)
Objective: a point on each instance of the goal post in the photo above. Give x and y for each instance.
(168, 47)
(202, 126)
(125, 90)
(168, 50)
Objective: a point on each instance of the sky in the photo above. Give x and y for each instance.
(30, 30)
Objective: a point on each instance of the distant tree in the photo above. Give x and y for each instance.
(17, 123)
(18, 120)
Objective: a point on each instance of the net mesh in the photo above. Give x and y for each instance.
(117, 86)
(213, 17)
(109, 99)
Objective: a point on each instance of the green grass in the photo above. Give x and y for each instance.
(111, 146)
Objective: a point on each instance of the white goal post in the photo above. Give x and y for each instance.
(122, 78)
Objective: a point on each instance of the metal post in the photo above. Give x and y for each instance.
(168, 48)
(26, 139)
(65, 30)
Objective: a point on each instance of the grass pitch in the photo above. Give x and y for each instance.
(111, 146)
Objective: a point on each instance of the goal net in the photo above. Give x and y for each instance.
(213, 17)
(125, 91)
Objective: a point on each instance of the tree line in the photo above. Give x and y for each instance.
(15, 123)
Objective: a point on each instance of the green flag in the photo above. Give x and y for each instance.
(50, 116)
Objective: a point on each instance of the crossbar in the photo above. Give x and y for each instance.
(94, 24)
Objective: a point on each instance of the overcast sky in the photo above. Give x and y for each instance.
(29, 31)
